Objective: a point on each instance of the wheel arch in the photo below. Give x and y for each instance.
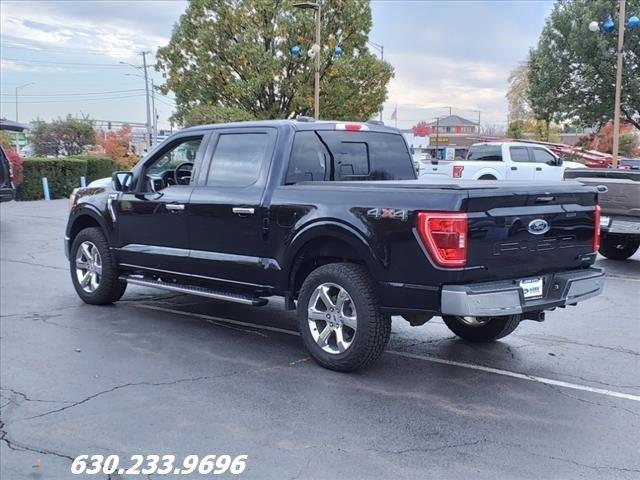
(86, 217)
(320, 244)
(484, 172)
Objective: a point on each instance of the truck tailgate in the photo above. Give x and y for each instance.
(528, 230)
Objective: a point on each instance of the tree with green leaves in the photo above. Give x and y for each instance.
(518, 93)
(62, 137)
(572, 70)
(232, 59)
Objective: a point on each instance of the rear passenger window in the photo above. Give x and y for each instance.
(519, 154)
(309, 159)
(237, 159)
(485, 153)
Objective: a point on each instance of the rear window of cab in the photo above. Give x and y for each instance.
(340, 155)
(484, 153)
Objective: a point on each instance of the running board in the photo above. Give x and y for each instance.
(194, 290)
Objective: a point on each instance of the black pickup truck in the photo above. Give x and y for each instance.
(329, 216)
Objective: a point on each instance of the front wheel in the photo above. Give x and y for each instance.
(93, 269)
(482, 329)
(339, 318)
(617, 247)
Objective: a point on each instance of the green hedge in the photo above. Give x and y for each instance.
(97, 167)
(63, 175)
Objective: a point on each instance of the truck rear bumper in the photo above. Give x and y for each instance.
(507, 298)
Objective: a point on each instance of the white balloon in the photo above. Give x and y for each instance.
(594, 26)
(313, 51)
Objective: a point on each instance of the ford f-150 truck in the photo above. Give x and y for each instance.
(329, 216)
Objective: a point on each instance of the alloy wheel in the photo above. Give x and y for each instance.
(332, 318)
(88, 267)
(474, 321)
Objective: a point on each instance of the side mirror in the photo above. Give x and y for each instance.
(434, 161)
(556, 163)
(122, 181)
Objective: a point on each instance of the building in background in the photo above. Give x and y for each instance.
(445, 138)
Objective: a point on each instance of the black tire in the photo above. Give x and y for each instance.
(487, 177)
(373, 327)
(494, 329)
(618, 247)
(110, 289)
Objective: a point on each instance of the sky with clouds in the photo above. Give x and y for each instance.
(445, 53)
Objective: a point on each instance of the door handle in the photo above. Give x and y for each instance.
(514, 168)
(174, 207)
(243, 210)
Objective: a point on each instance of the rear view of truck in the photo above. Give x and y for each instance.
(529, 249)
(620, 203)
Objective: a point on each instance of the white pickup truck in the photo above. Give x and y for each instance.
(501, 161)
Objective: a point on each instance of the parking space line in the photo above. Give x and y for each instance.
(414, 356)
(522, 376)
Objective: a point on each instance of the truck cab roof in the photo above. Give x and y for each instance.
(301, 124)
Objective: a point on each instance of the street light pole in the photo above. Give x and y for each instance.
(619, 55)
(380, 48)
(18, 88)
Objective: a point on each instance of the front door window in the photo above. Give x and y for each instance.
(175, 166)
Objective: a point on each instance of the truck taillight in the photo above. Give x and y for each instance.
(457, 171)
(444, 234)
(596, 229)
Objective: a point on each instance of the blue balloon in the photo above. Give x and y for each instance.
(295, 51)
(337, 52)
(633, 22)
(608, 25)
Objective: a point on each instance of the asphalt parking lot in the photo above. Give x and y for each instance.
(171, 374)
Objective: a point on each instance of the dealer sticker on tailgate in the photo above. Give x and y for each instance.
(532, 287)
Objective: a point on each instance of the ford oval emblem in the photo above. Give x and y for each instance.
(538, 226)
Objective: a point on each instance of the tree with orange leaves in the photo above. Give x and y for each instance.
(116, 145)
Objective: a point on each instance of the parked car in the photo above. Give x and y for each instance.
(329, 216)
(503, 161)
(7, 188)
(620, 203)
(629, 163)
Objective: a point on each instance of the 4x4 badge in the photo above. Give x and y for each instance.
(390, 213)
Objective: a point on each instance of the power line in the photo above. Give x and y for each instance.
(48, 62)
(65, 50)
(60, 94)
(76, 100)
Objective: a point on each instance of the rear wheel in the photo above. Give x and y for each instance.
(93, 268)
(482, 329)
(487, 177)
(617, 247)
(339, 319)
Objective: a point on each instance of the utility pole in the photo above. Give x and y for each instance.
(437, 138)
(146, 87)
(316, 89)
(155, 114)
(316, 86)
(616, 113)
